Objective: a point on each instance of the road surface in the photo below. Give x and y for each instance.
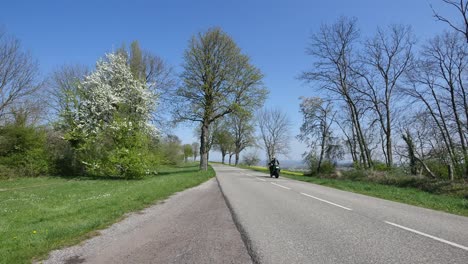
(287, 221)
(193, 226)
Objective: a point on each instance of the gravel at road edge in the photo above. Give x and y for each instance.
(193, 226)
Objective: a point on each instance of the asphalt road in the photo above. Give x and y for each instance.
(287, 221)
(193, 226)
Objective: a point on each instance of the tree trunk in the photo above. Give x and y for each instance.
(459, 128)
(223, 154)
(322, 150)
(365, 153)
(203, 146)
(237, 159)
(450, 172)
(388, 134)
(412, 157)
(426, 168)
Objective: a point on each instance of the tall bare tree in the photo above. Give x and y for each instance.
(217, 80)
(438, 84)
(18, 73)
(275, 131)
(386, 58)
(333, 49)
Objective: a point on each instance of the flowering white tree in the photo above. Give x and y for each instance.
(111, 89)
(111, 123)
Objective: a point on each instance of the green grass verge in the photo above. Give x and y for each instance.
(413, 196)
(38, 215)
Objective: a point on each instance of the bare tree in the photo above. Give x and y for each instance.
(63, 85)
(462, 7)
(18, 73)
(438, 84)
(217, 80)
(275, 131)
(386, 58)
(333, 49)
(318, 117)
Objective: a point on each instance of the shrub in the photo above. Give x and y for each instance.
(251, 159)
(22, 151)
(118, 151)
(355, 174)
(62, 156)
(380, 166)
(327, 167)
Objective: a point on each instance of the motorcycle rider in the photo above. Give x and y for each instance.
(274, 162)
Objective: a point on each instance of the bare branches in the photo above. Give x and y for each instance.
(18, 73)
(462, 7)
(333, 49)
(386, 58)
(275, 130)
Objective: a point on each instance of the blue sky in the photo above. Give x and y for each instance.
(273, 33)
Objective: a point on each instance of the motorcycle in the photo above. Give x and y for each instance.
(275, 171)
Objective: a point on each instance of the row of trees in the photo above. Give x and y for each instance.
(105, 122)
(382, 99)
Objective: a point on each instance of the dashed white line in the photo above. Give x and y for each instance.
(325, 201)
(429, 236)
(279, 185)
(262, 179)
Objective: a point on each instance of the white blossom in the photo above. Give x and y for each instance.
(109, 90)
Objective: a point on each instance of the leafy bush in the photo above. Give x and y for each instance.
(327, 167)
(380, 166)
(22, 151)
(63, 158)
(251, 159)
(118, 151)
(438, 168)
(355, 174)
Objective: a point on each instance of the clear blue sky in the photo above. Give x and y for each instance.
(273, 33)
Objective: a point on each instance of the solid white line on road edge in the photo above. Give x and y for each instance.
(279, 185)
(325, 201)
(429, 236)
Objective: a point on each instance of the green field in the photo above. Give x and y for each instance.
(413, 196)
(38, 215)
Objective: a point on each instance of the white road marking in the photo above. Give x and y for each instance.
(429, 236)
(262, 179)
(247, 174)
(279, 185)
(325, 201)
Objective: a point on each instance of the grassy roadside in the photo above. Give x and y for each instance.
(38, 215)
(413, 196)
